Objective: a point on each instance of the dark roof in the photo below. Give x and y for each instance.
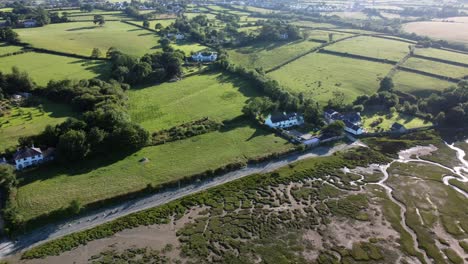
(352, 117)
(397, 126)
(280, 117)
(329, 111)
(26, 153)
(349, 124)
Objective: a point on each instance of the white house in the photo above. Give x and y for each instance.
(353, 128)
(178, 36)
(352, 121)
(27, 157)
(284, 36)
(205, 56)
(29, 23)
(284, 120)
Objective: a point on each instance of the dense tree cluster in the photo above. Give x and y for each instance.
(278, 30)
(105, 125)
(9, 36)
(157, 67)
(16, 81)
(449, 107)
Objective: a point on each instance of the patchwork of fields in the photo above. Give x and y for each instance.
(215, 95)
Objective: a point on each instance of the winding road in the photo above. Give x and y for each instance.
(95, 218)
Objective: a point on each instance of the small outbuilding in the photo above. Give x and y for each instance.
(397, 127)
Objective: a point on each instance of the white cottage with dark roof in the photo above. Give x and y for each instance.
(284, 120)
(26, 157)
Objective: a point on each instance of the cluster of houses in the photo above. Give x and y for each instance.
(30, 156)
(352, 121)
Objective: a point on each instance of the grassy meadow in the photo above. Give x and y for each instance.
(45, 67)
(217, 96)
(27, 121)
(112, 175)
(318, 76)
(6, 49)
(436, 67)
(443, 54)
(417, 84)
(82, 37)
(268, 55)
(388, 120)
(373, 47)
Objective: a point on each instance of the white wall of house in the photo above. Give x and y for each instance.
(29, 161)
(283, 124)
(354, 132)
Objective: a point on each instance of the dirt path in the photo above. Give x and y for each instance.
(53, 231)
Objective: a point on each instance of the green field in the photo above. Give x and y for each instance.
(257, 9)
(372, 47)
(419, 85)
(324, 35)
(99, 179)
(406, 120)
(6, 49)
(28, 121)
(268, 55)
(435, 67)
(312, 24)
(217, 96)
(106, 16)
(192, 15)
(82, 37)
(443, 54)
(319, 75)
(45, 67)
(163, 22)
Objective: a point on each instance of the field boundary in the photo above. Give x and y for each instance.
(394, 70)
(433, 75)
(355, 56)
(139, 26)
(57, 53)
(455, 63)
(308, 52)
(395, 39)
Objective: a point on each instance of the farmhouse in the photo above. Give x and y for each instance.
(352, 121)
(205, 56)
(178, 36)
(284, 120)
(27, 157)
(29, 23)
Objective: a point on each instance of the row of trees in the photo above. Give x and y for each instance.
(157, 67)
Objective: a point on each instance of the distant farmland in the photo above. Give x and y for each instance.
(454, 32)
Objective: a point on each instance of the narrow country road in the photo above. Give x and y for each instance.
(98, 217)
